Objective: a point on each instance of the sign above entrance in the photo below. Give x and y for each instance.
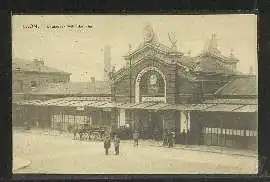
(153, 99)
(90, 98)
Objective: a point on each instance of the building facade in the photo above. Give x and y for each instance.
(161, 89)
(29, 75)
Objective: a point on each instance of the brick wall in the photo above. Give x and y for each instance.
(41, 79)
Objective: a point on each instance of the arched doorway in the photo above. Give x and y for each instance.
(150, 84)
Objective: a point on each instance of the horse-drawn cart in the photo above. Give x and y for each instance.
(88, 132)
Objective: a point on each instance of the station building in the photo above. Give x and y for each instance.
(158, 89)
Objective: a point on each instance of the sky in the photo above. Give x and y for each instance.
(80, 50)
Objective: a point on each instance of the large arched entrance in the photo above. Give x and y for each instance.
(150, 86)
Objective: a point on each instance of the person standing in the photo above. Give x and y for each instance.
(136, 138)
(107, 144)
(165, 138)
(116, 144)
(170, 139)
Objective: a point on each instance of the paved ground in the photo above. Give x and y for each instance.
(61, 154)
(19, 163)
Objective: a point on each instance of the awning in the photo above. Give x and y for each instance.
(233, 101)
(29, 102)
(247, 108)
(158, 106)
(223, 107)
(192, 107)
(142, 105)
(126, 105)
(107, 105)
(81, 103)
(96, 104)
(198, 107)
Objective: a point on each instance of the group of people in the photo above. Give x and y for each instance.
(107, 144)
(168, 138)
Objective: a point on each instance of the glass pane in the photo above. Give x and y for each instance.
(255, 133)
(242, 132)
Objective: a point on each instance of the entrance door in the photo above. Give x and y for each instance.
(156, 125)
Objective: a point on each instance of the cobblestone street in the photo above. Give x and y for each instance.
(63, 155)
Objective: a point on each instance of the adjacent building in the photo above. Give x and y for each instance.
(30, 75)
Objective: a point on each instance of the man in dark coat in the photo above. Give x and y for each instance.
(165, 138)
(107, 144)
(184, 135)
(170, 139)
(116, 144)
(136, 138)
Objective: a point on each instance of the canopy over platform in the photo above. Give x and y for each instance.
(209, 106)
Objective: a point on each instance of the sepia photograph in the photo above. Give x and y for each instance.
(135, 94)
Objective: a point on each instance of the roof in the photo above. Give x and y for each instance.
(91, 102)
(19, 64)
(245, 86)
(217, 67)
(100, 87)
(232, 101)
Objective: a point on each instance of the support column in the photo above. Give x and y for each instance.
(163, 122)
(184, 121)
(122, 117)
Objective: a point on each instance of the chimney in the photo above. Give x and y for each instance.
(93, 83)
(107, 62)
(129, 48)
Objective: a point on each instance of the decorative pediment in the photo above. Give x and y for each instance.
(150, 49)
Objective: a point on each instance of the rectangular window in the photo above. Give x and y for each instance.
(219, 130)
(223, 131)
(238, 132)
(242, 132)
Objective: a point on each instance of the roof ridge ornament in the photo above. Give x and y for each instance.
(149, 34)
(232, 56)
(212, 45)
(173, 40)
